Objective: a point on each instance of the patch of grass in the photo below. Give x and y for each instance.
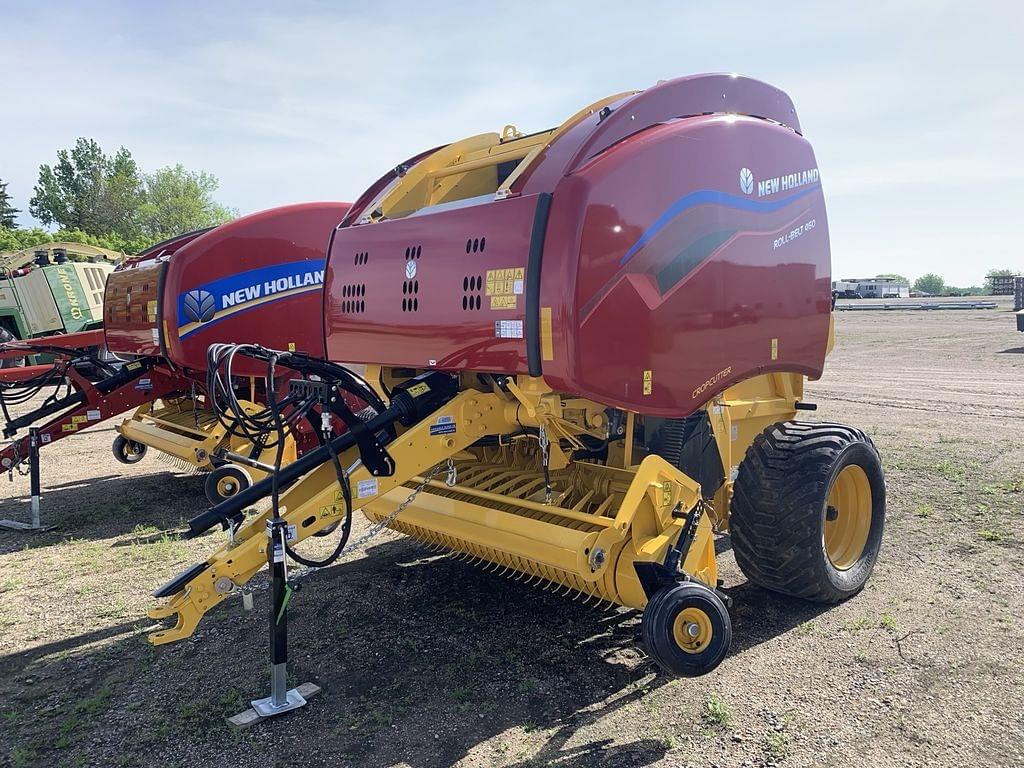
(204, 714)
(858, 624)
(528, 685)
(717, 712)
(22, 757)
(988, 534)
(1013, 486)
(778, 744)
(164, 548)
(889, 622)
(806, 628)
(860, 656)
(925, 510)
(951, 470)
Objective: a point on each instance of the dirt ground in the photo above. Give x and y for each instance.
(430, 662)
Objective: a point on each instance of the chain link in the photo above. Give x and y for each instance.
(362, 541)
(545, 457)
(17, 462)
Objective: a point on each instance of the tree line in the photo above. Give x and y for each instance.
(108, 201)
(936, 285)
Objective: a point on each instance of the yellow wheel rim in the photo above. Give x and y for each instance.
(227, 486)
(847, 517)
(692, 630)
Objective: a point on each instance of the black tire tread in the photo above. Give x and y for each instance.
(776, 506)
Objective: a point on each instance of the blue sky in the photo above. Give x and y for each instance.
(914, 108)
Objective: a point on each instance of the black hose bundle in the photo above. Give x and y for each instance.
(270, 427)
(15, 393)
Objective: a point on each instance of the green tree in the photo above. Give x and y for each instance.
(893, 276)
(88, 191)
(1001, 273)
(20, 239)
(930, 283)
(8, 212)
(123, 196)
(179, 200)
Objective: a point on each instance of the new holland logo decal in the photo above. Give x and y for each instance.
(219, 299)
(199, 306)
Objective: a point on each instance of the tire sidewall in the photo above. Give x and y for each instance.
(663, 609)
(851, 580)
(224, 471)
(123, 445)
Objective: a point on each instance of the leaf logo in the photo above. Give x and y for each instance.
(746, 181)
(200, 306)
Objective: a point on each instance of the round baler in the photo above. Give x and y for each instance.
(256, 278)
(592, 342)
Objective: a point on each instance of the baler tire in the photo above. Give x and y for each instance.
(781, 507)
(128, 451)
(667, 616)
(226, 481)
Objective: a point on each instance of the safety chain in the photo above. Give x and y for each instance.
(545, 457)
(16, 463)
(354, 546)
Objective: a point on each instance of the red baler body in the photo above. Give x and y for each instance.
(257, 279)
(652, 255)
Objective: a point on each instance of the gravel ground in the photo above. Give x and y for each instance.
(426, 661)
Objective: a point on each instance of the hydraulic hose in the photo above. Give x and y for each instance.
(405, 407)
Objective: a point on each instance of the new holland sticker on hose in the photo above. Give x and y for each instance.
(218, 299)
(445, 425)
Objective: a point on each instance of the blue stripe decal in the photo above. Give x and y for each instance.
(245, 308)
(713, 197)
(202, 303)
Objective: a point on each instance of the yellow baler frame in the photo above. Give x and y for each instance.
(631, 513)
(183, 429)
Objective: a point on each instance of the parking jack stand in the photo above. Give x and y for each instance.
(33, 467)
(281, 698)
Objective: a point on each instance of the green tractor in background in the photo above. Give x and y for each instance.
(52, 289)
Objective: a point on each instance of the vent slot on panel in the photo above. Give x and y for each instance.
(361, 258)
(410, 290)
(471, 287)
(353, 301)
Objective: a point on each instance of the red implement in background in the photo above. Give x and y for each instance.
(256, 279)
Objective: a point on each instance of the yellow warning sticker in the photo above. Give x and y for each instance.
(133, 366)
(151, 310)
(79, 419)
(648, 382)
(505, 284)
(775, 349)
(69, 428)
(291, 346)
(418, 389)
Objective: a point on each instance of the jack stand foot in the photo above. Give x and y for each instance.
(268, 708)
(259, 711)
(14, 525)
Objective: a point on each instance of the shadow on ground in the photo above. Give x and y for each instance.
(423, 660)
(105, 506)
